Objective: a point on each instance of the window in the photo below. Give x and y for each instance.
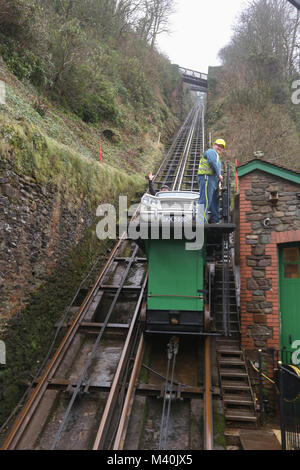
(291, 271)
(291, 262)
(291, 254)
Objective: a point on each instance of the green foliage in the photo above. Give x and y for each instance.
(25, 64)
(52, 163)
(94, 100)
(98, 107)
(135, 81)
(89, 58)
(17, 18)
(40, 107)
(250, 98)
(219, 426)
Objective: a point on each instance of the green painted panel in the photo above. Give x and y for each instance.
(175, 276)
(268, 168)
(289, 280)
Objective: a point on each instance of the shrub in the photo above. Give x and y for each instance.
(24, 64)
(40, 107)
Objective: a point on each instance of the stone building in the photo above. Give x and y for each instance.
(268, 247)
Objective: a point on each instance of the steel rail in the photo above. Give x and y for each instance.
(92, 354)
(182, 164)
(121, 433)
(25, 415)
(172, 168)
(208, 419)
(61, 324)
(30, 407)
(171, 149)
(162, 428)
(186, 134)
(184, 146)
(189, 173)
(175, 149)
(106, 416)
(203, 131)
(190, 170)
(199, 144)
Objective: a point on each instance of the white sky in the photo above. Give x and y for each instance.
(199, 29)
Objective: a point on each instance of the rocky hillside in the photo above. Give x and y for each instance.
(52, 181)
(58, 107)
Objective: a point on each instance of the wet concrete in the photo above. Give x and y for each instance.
(136, 426)
(81, 427)
(87, 411)
(185, 427)
(178, 426)
(123, 311)
(259, 440)
(187, 371)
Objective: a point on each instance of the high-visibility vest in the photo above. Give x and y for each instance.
(204, 166)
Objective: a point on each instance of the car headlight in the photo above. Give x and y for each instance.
(149, 202)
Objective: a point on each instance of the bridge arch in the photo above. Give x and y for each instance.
(192, 77)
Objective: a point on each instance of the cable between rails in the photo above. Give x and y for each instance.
(172, 354)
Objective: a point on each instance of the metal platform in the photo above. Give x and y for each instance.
(214, 232)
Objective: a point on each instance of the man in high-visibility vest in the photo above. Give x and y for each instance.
(209, 176)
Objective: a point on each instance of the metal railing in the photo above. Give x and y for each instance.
(289, 389)
(286, 378)
(193, 73)
(287, 381)
(226, 252)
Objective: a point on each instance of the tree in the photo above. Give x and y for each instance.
(254, 87)
(15, 16)
(67, 46)
(155, 19)
(267, 28)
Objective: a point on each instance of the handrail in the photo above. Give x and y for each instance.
(193, 73)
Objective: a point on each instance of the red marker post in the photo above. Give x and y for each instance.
(236, 175)
(100, 151)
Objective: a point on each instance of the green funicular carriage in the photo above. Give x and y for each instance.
(175, 297)
(181, 251)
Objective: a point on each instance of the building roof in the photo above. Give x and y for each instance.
(271, 168)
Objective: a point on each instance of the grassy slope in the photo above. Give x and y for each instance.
(61, 149)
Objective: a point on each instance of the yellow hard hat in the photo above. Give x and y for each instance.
(221, 142)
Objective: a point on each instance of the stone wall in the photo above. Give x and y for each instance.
(38, 225)
(263, 226)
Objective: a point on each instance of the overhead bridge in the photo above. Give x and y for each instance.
(192, 77)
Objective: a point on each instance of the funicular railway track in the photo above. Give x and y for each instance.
(189, 137)
(101, 388)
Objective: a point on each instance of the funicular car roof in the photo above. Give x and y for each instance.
(177, 195)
